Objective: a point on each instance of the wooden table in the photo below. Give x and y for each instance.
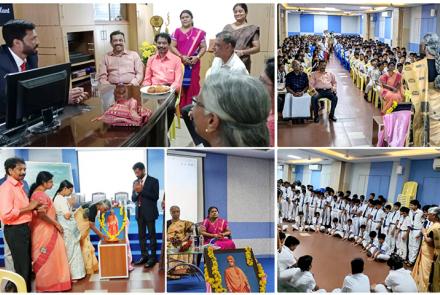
(79, 130)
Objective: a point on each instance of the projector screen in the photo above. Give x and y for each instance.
(184, 186)
(108, 170)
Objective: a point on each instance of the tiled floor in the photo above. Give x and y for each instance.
(331, 259)
(140, 281)
(354, 114)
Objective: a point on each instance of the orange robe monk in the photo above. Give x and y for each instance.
(236, 280)
(112, 223)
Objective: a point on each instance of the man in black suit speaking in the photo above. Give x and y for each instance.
(145, 195)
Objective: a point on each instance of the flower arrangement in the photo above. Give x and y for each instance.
(261, 273)
(392, 108)
(124, 223)
(216, 280)
(147, 50)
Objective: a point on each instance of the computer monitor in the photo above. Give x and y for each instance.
(36, 95)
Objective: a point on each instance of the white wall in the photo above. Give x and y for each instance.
(350, 25)
(43, 155)
(359, 178)
(293, 22)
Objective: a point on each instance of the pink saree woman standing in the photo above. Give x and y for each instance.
(216, 231)
(189, 44)
(391, 87)
(49, 258)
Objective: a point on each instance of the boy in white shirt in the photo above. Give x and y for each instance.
(393, 230)
(316, 222)
(348, 230)
(357, 282)
(381, 251)
(286, 259)
(405, 223)
(399, 279)
(362, 234)
(368, 242)
(300, 222)
(415, 234)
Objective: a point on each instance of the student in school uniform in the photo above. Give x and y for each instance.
(286, 259)
(307, 202)
(368, 242)
(386, 220)
(312, 206)
(289, 208)
(316, 222)
(399, 279)
(393, 231)
(415, 233)
(320, 205)
(362, 234)
(298, 279)
(382, 250)
(402, 238)
(357, 282)
(378, 217)
(285, 207)
(348, 230)
(327, 217)
(302, 201)
(373, 212)
(338, 230)
(366, 214)
(300, 222)
(335, 208)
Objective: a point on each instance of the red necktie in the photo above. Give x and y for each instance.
(23, 67)
(140, 195)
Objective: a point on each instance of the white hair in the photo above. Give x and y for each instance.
(432, 45)
(435, 211)
(242, 103)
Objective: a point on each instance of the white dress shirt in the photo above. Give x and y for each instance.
(17, 60)
(233, 65)
(358, 283)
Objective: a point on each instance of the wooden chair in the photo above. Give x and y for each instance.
(177, 115)
(15, 278)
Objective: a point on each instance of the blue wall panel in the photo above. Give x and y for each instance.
(388, 28)
(428, 181)
(316, 179)
(334, 23)
(71, 156)
(307, 23)
(252, 230)
(299, 171)
(379, 178)
(216, 182)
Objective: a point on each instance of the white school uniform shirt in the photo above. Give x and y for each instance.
(358, 283)
(313, 201)
(283, 189)
(320, 204)
(366, 236)
(416, 219)
(297, 280)
(388, 219)
(316, 221)
(406, 222)
(361, 233)
(400, 280)
(301, 201)
(384, 248)
(334, 205)
(285, 258)
(395, 217)
(378, 215)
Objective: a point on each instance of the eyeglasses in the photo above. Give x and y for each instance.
(197, 102)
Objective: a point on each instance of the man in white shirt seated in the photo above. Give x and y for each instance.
(399, 279)
(225, 56)
(285, 258)
(357, 282)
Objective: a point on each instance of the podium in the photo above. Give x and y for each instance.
(113, 260)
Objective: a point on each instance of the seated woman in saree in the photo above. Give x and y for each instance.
(215, 230)
(85, 217)
(49, 259)
(391, 83)
(71, 233)
(178, 233)
(247, 35)
(188, 43)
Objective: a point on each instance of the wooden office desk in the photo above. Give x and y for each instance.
(79, 130)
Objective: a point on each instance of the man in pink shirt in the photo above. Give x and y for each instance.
(121, 66)
(323, 84)
(164, 68)
(16, 213)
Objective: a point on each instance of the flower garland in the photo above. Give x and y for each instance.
(391, 109)
(124, 223)
(216, 280)
(261, 273)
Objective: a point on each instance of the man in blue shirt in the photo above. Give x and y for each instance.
(297, 103)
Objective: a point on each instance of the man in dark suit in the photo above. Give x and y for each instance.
(145, 195)
(20, 54)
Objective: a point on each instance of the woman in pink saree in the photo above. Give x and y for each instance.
(215, 230)
(49, 258)
(391, 83)
(189, 44)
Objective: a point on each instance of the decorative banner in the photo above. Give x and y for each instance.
(6, 13)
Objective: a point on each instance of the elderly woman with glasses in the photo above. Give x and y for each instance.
(232, 111)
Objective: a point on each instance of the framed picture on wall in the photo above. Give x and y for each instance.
(234, 271)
